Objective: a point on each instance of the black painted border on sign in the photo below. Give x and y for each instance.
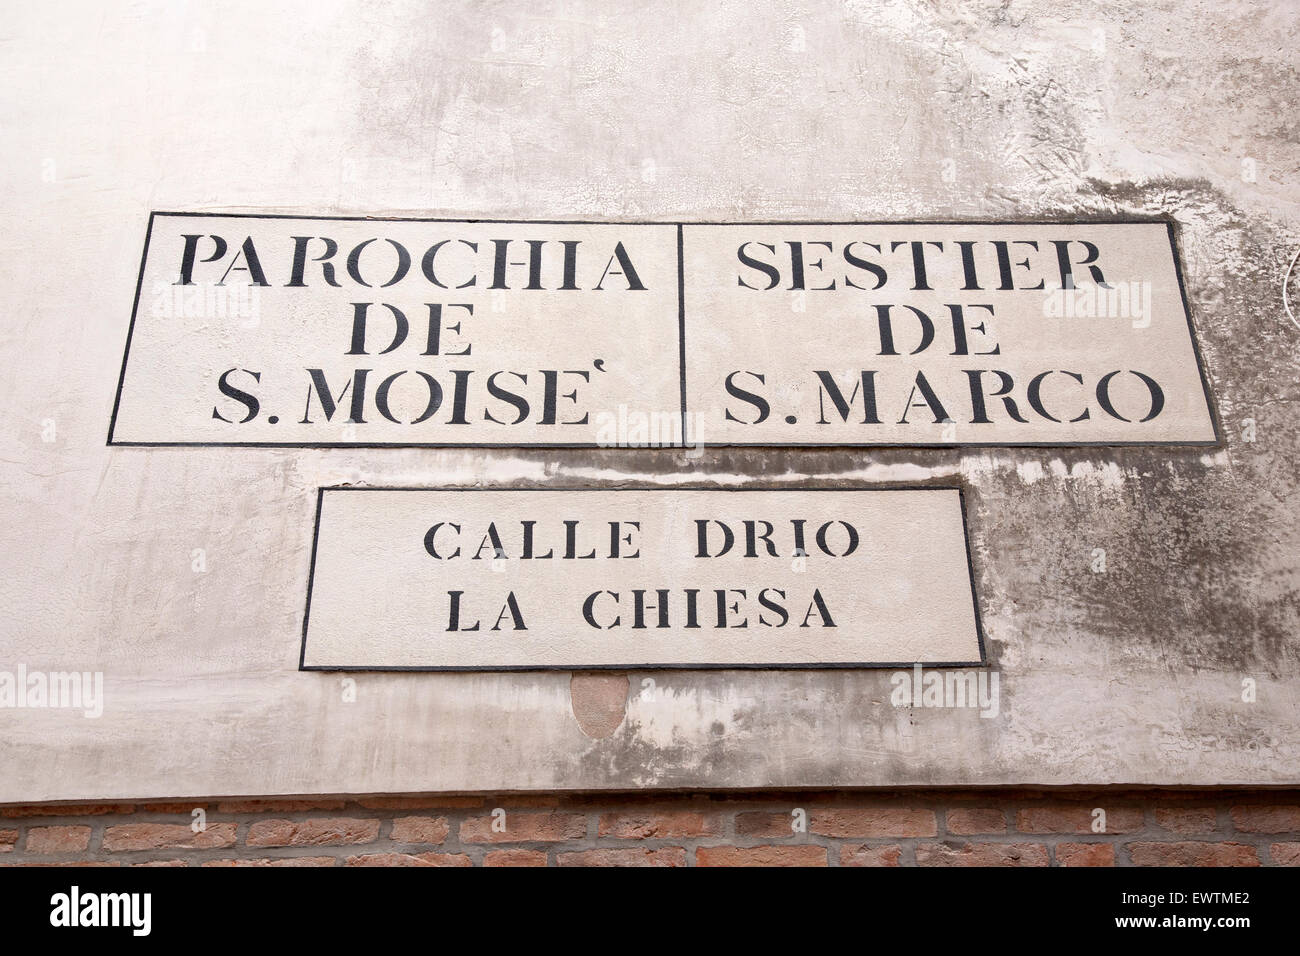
(835, 665)
(681, 326)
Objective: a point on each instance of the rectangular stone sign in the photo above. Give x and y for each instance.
(272, 330)
(280, 330)
(941, 334)
(447, 579)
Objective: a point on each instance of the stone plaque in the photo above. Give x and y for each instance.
(445, 579)
(276, 330)
(940, 334)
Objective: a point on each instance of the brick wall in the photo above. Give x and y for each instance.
(925, 828)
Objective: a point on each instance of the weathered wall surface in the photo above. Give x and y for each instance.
(578, 110)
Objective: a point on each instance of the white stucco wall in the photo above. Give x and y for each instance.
(907, 110)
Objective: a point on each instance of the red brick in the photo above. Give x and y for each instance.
(186, 808)
(863, 855)
(515, 858)
(576, 802)
(1192, 854)
(161, 863)
(167, 836)
(1076, 820)
(420, 829)
(672, 825)
(796, 855)
(981, 820)
(874, 822)
(1085, 854)
(275, 861)
(58, 839)
(408, 859)
(1187, 819)
(7, 840)
(768, 826)
(981, 854)
(1266, 819)
(274, 805)
(798, 798)
(526, 828)
(530, 801)
(326, 831)
(65, 809)
(632, 856)
(1285, 854)
(419, 803)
